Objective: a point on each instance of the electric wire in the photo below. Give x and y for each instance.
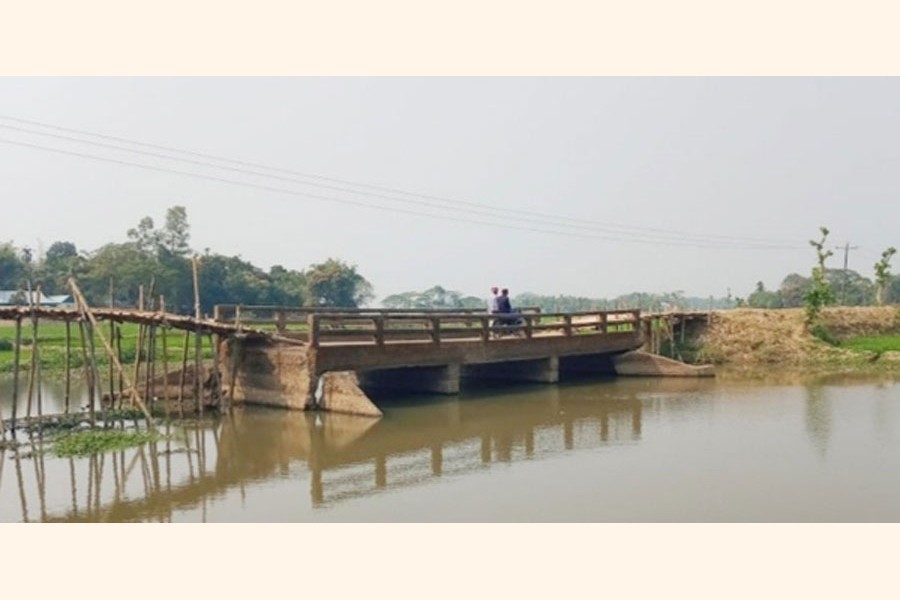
(479, 209)
(374, 206)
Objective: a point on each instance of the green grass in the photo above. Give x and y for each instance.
(875, 343)
(52, 346)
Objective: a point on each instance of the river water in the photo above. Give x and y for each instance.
(615, 450)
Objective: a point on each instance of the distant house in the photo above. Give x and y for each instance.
(20, 297)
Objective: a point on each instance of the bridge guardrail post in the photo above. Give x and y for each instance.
(567, 319)
(280, 321)
(379, 330)
(529, 326)
(604, 322)
(485, 328)
(313, 323)
(435, 329)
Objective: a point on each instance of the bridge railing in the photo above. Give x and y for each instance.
(294, 321)
(381, 329)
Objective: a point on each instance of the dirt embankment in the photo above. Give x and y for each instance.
(779, 338)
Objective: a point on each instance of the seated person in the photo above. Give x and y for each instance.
(504, 307)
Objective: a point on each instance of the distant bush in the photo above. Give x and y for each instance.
(6, 345)
(824, 334)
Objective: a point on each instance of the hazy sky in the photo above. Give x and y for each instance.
(594, 186)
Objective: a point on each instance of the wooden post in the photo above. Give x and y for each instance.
(280, 321)
(485, 329)
(313, 323)
(435, 329)
(379, 330)
(604, 323)
(529, 326)
(567, 327)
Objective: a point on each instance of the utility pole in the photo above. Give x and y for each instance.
(846, 248)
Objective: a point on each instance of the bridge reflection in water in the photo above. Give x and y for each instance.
(342, 457)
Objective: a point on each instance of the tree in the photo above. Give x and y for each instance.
(125, 264)
(793, 290)
(883, 274)
(819, 294)
(856, 290)
(762, 298)
(144, 236)
(60, 262)
(176, 233)
(13, 270)
(435, 297)
(230, 280)
(334, 283)
(286, 287)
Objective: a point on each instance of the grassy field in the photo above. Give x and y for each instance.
(52, 346)
(874, 343)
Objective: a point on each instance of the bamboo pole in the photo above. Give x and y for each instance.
(87, 370)
(34, 352)
(16, 356)
(112, 336)
(198, 392)
(96, 383)
(165, 352)
(217, 383)
(68, 365)
(85, 309)
(148, 384)
(119, 356)
(184, 354)
(235, 345)
(139, 346)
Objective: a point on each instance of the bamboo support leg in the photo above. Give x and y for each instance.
(16, 357)
(184, 355)
(68, 392)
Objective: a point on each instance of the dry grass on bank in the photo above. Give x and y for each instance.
(759, 337)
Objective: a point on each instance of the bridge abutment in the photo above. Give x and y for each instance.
(273, 375)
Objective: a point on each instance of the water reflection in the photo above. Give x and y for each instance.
(818, 418)
(688, 431)
(341, 456)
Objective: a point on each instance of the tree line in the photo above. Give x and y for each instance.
(158, 259)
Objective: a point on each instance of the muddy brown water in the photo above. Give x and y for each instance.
(614, 450)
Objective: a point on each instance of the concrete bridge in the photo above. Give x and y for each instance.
(326, 359)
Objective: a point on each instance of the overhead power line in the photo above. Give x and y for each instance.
(649, 234)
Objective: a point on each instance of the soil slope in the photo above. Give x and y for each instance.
(758, 337)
